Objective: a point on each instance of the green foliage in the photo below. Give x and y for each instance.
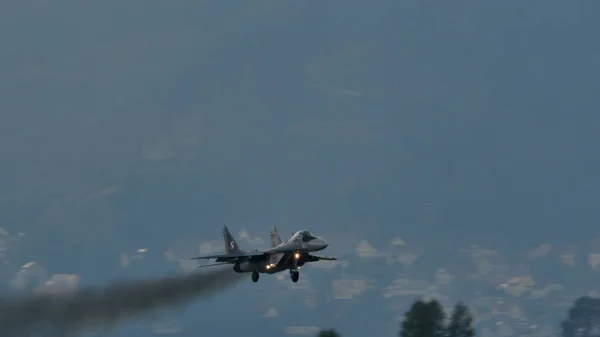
(328, 333)
(428, 319)
(461, 322)
(583, 318)
(424, 319)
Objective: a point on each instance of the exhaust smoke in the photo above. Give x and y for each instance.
(60, 314)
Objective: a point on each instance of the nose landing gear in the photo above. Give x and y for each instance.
(294, 275)
(255, 276)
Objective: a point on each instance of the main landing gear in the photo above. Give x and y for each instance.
(255, 276)
(294, 275)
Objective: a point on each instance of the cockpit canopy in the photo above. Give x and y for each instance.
(305, 233)
(306, 236)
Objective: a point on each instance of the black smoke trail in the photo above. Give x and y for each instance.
(59, 314)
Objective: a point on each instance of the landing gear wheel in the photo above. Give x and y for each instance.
(255, 276)
(294, 275)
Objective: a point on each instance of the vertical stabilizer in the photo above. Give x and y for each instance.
(231, 246)
(275, 238)
(275, 241)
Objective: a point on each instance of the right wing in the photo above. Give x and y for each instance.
(314, 258)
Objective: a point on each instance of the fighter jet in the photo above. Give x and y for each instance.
(288, 255)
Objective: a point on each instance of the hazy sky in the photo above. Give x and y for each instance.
(135, 123)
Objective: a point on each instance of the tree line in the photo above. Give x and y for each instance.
(429, 319)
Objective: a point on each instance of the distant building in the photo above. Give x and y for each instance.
(568, 255)
(404, 287)
(60, 283)
(346, 289)
(491, 266)
(30, 276)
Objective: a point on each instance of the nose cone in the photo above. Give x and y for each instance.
(318, 244)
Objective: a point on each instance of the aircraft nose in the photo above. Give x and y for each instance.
(319, 243)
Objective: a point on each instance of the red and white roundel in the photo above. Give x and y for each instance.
(232, 245)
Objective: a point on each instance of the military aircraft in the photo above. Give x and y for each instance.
(288, 255)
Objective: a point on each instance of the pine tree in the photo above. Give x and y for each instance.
(424, 319)
(583, 318)
(461, 322)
